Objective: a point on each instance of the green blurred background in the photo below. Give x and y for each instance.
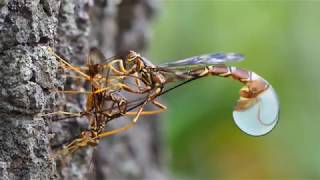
(281, 42)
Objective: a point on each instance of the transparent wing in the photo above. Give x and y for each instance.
(95, 56)
(208, 59)
(120, 56)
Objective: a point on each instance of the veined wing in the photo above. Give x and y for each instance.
(121, 56)
(207, 59)
(97, 57)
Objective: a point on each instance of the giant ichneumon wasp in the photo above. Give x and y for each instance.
(257, 109)
(256, 112)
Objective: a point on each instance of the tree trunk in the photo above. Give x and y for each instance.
(28, 72)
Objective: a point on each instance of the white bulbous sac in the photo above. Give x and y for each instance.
(261, 117)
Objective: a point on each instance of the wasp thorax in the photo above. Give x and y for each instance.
(158, 78)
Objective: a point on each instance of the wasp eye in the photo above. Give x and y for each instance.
(132, 55)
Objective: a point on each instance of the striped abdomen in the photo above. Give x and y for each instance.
(254, 83)
(256, 111)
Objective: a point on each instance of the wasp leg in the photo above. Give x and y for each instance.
(86, 139)
(120, 64)
(138, 81)
(122, 70)
(75, 77)
(72, 91)
(130, 89)
(101, 90)
(161, 109)
(67, 64)
(61, 113)
(126, 127)
(151, 98)
(81, 92)
(79, 68)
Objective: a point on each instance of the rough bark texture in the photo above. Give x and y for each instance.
(28, 72)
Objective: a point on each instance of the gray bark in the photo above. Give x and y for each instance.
(28, 72)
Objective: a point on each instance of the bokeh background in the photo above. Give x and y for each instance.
(281, 42)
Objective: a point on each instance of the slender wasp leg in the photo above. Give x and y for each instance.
(81, 92)
(83, 78)
(67, 64)
(116, 131)
(85, 140)
(74, 77)
(79, 68)
(61, 113)
(71, 91)
(151, 98)
(161, 109)
(137, 81)
(122, 70)
(130, 89)
(120, 64)
(101, 90)
(126, 127)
